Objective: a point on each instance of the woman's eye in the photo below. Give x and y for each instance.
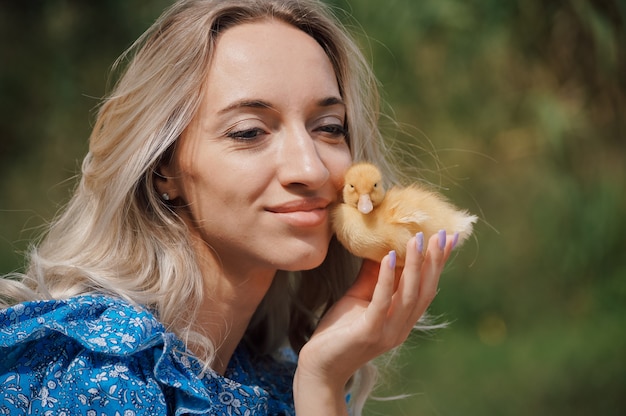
(333, 130)
(247, 134)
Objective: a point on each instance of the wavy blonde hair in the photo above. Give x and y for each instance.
(116, 236)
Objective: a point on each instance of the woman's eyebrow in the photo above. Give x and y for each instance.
(246, 104)
(330, 101)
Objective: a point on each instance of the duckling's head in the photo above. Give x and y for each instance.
(363, 187)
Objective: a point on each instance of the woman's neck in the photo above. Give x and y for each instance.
(231, 296)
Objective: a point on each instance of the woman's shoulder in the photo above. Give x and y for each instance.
(97, 352)
(80, 355)
(98, 323)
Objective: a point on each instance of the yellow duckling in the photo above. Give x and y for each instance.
(371, 221)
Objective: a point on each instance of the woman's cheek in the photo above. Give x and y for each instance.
(340, 171)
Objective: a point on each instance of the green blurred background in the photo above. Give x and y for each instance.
(517, 111)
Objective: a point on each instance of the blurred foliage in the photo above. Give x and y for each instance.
(55, 56)
(518, 110)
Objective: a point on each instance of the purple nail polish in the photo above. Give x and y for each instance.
(392, 259)
(419, 237)
(455, 240)
(442, 239)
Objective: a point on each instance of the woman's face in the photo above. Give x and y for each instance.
(257, 170)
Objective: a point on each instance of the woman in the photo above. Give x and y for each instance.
(197, 243)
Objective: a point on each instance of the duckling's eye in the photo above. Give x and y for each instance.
(351, 186)
(376, 185)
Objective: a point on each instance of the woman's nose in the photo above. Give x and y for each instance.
(299, 160)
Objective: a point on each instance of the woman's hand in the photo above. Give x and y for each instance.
(375, 315)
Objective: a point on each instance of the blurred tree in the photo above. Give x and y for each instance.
(55, 56)
(524, 103)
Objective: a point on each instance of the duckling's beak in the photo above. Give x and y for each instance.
(365, 205)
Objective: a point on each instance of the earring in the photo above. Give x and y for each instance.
(165, 196)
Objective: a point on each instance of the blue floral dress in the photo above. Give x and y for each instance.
(96, 355)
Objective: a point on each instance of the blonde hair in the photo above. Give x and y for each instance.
(116, 236)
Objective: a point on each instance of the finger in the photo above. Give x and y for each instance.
(438, 251)
(408, 288)
(378, 308)
(446, 244)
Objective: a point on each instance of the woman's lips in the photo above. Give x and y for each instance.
(310, 212)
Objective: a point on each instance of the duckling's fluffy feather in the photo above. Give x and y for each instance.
(397, 215)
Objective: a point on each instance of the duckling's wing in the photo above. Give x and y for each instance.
(422, 209)
(403, 206)
(417, 217)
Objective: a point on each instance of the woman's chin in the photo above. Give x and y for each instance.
(306, 261)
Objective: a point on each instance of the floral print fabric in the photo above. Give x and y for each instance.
(96, 355)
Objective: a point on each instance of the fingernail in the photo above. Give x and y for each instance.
(419, 238)
(392, 259)
(455, 240)
(442, 239)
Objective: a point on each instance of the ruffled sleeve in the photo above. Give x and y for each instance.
(97, 355)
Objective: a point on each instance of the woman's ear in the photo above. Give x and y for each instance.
(164, 181)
